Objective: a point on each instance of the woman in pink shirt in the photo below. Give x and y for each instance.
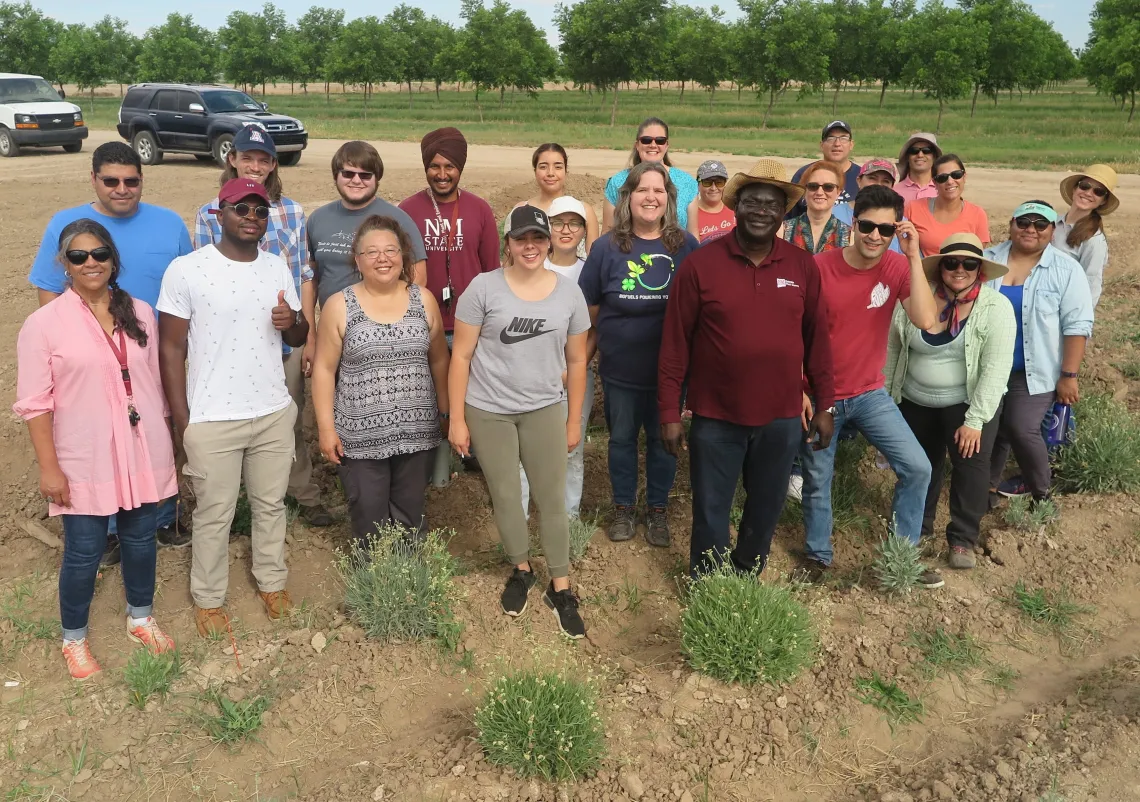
(916, 162)
(948, 212)
(90, 392)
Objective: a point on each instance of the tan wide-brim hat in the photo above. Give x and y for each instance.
(1097, 172)
(765, 171)
(965, 245)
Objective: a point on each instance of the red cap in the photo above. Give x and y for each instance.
(237, 188)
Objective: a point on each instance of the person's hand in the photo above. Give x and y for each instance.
(283, 316)
(331, 446)
(908, 239)
(460, 437)
(54, 487)
(178, 435)
(969, 441)
(823, 424)
(673, 438)
(308, 354)
(573, 435)
(686, 413)
(1067, 391)
(806, 412)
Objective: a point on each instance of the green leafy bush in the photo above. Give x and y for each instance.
(148, 674)
(1104, 456)
(898, 565)
(1021, 513)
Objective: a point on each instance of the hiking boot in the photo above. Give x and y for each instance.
(565, 606)
(1013, 487)
(111, 555)
(813, 571)
(624, 526)
(796, 487)
(513, 600)
(994, 501)
(150, 636)
(80, 662)
(316, 515)
(931, 579)
(212, 622)
(962, 558)
(277, 603)
(173, 536)
(657, 530)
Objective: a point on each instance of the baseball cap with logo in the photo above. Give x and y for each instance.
(254, 137)
(831, 126)
(237, 189)
(528, 218)
(879, 166)
(712, 169)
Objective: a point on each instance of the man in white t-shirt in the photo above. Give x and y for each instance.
(227, 308)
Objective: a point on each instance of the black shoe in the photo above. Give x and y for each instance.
(565, 606)
(813, 571)
(624, 526)
(513, 599)
(657, 531)
(173, 536)
(931, 579)
(111, 555)
(316, 515)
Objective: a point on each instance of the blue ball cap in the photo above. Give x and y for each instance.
(254, 137)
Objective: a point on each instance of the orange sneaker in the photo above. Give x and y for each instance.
(212, 622)
(150, 636)
(277, 603)
(80, 662)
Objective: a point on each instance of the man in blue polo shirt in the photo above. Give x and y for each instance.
(835, 146)
(148, 238)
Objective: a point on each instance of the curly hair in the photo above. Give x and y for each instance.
(672, 235)
(122, 305)
(379, 222)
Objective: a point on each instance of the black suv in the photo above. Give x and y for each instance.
(202, 120)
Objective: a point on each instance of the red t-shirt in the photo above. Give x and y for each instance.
(860, 305)
(711, 225)
(474, 248)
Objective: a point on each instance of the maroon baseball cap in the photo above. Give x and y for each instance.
(879, 166)
(237, 188)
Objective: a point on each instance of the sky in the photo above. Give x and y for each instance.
(1069, 17)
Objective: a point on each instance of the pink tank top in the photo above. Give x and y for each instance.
(710, 225)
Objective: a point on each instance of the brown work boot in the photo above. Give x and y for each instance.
(277, 603)
(213, 622)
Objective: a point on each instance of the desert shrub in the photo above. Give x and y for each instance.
(737, 629)
(581, 530)
(399, 588)
(1021, 513)
(898, 565)
(1104, 455)
(542, 723)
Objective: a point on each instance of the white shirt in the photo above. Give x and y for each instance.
(236, 371)
(572, 272)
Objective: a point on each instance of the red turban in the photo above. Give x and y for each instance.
(446, 142)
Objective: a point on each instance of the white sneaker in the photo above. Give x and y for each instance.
(796, 487)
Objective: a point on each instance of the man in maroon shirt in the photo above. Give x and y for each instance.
(746, 320)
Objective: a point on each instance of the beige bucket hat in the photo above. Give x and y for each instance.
(1097, 172)
(964, 245)
(765, 171)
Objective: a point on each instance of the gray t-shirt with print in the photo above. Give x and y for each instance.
(521, 354)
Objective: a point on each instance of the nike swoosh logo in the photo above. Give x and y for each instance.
(510, 339)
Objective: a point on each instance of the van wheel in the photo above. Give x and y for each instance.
(146, 147)
(222, 146)
(73, 147)
(290, 159)
(8, 146)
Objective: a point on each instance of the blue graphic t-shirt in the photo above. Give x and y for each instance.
(631, 290)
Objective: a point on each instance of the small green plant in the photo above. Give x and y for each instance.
(944, 651)
(633, 596)
(1001, 675)
(897, 705)
(581, 530)
(737, 629)
(14, 610)
(897, 565)
(1129, 367)
(1104, 455)
(235, 721)
(542, 723)
(397, 589)
(79, 758)
(242, 524)
(1023, 513)
(1053, 609)
(148, 674)
(736, 513)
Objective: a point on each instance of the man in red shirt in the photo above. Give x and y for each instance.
(746, 317)
(861, 284)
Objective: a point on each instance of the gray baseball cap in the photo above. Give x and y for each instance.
(712, 169)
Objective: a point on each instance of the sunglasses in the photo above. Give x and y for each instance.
(886, 230)
(653, 140)
(1036, 222)
(967, 263)
(925, 151)
(814, 187)
(348, 175)
(942, 178)
(713, 182)
(78, 257)
(111, 183)
(243, 210)
(1087, 186)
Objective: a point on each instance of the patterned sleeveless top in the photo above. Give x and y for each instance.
(385, 402)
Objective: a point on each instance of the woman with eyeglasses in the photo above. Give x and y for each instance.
(947, 212)
(380, 383)
(708, 217)
(916, 163)
(651, 145)
(1080, 232)
(1054, 313)
(88, 365)
(818, 229)
(949, 380)
(551, 166)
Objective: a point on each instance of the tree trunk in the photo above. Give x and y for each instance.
(712, 92)
(92, 100)
(835, 98)
(912, 93)
(1132, 110)
(437, 83)
(767, 111)
(974, 102)
(291, 87)
(882, 94)
(613, 108)
(739, 90)
(502, 95)
(660, 87)
(409, 93)
(938, 125)
(682, 91)
(327, 98)
(367, 84)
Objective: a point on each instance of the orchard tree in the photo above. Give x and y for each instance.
(500, 48)
(119, 50)
(179, 51)
(78, 59)
(702, 48)
(251, 45)
(412, 40)
(442, 40)
(847, 60)
(883, 30)
(946, 47)
(1111, 59)
(27, 38)
(317, 33)
(361, 55)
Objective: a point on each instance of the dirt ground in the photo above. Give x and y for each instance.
(1046, 718)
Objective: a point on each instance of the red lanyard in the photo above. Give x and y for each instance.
(120, 352)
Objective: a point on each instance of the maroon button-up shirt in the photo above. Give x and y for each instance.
(745, 335)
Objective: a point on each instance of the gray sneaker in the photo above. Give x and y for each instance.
(962, 558)
(624, 526)
(657, 531)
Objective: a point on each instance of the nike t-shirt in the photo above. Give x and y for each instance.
(521, 354)
(860, 305)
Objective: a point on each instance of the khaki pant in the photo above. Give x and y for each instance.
(218, 454)
(301, 484)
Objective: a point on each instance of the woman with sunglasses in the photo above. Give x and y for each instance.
(708, 217)
(818, 229)
(948, 212)
(88, 363)
(1080, 233)
(1054, 313)
(949, 381)
(916, 162)
(651, 145)
(551, 166)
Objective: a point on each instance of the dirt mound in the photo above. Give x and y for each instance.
(585, 188)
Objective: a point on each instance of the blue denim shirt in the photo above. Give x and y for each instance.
(1056, 304)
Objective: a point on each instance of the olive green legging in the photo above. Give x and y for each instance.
(538, 439)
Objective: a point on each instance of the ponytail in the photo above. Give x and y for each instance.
(1085, 229)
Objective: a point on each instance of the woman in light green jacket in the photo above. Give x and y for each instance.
(949, 382)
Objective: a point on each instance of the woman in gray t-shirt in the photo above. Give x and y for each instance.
(517, 380)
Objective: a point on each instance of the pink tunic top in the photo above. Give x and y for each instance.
(66, 367)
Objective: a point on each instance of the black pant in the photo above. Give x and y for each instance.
(718, 453)
(384, 490)
(1021, 417)
(969, 478)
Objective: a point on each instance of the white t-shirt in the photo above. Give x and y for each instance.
(572, 272)
(234, 352)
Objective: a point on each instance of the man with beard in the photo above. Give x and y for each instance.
(745, 299)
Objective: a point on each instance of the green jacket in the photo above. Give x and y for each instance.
(990, 336)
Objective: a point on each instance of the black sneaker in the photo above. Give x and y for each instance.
(173, 536)
(657, 532)
(513, 599)
(931, 579)
(624, 526)
(812, 571)
(565, 606)
(111, 555)
(316, 515)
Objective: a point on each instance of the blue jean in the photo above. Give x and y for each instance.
(167, 513)
(875, 414)
(628, 410)
(85, 538)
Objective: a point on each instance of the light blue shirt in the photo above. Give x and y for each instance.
(847, 215)
(686, 191)
(1056, 303)
(148, 241)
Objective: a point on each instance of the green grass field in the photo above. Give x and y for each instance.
(1063, 128)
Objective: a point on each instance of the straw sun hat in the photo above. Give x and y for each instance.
(1097, 172)
(967, 246)
(765, 171)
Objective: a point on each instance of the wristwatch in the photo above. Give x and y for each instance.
(832, 410)
(1069, 374)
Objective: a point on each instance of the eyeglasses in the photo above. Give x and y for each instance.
(1087, 186)
(713, 182)
(374, 254)
(967, 263)
(886, 230)
(925, 151)
(243, 210)
(759, 203)
(1038, 223)
(814, 187)
(573, 226)
(364, 176)
(111, 183)
(653, 140)
(836, 140)
(78, 257)
(942, 178)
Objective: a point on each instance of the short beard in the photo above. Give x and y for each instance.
(364, 202)
(438, 196)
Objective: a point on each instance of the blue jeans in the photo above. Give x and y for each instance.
(85, 538)
(628, 411)
(875, 414)
(167, 512)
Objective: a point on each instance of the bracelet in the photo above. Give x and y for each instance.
(445, 415)
(1069, 374)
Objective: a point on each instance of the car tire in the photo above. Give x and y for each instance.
(146, 146)
(221, 148)
(73, 147)
(8, 146)
(290, 159)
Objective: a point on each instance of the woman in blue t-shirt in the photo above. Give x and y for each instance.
(651, 145)
(626, 282)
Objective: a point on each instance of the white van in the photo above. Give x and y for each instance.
(34, 115)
